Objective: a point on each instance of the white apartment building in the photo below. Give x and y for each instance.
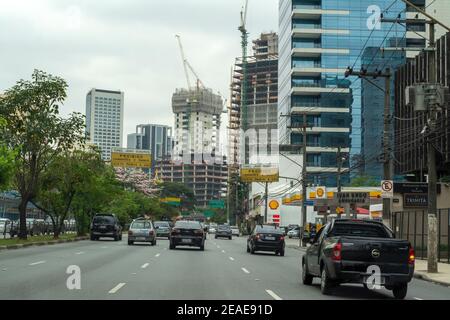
(104, 119)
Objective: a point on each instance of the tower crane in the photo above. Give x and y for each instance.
(244, 43)
(187, 65)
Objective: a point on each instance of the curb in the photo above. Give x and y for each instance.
(41, 243)
(424, 277)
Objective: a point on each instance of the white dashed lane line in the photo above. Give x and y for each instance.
(231, 258)
(273, 295)
(116, 288)
(157, 255)
(36, 263)
(145, 265)
(223, 251)
(78, 253)
(245, 270)
(417, 298)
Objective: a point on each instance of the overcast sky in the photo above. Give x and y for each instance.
(128, 45)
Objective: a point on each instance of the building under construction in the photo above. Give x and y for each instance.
(260, 90)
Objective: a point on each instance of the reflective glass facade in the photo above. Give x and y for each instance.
(318, 40)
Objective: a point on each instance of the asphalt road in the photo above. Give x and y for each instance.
(224, 271)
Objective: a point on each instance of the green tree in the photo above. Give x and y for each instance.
(7, 157)
(178, 190)
(365, 181)
(66, 176)
(37, 131)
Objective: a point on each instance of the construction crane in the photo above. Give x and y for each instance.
(187, 65)
(244, 43)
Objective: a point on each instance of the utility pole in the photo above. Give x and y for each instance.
(266, 201)
(388, 161)
(339, 164)
(304, 180)
(432, 246)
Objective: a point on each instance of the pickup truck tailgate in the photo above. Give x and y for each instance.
(390, 255)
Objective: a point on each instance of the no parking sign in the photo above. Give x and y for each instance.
(387, 189)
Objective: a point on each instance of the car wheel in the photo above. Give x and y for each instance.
(202, 248)
(252, 249)
(400, 291)
(92, 238)
(130, 243)
(171, 246)
(116, 238)
(325, 282)
(230, 238)
(154, 242)
(248, 249)
(281, 253)
(307, 279)
(120, 237)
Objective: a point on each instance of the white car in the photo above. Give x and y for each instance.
(235, 231)
(293, 233)
(5, 226)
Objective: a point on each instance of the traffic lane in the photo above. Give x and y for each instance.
(288, 277)
(190, 274)
(47, 280)
(16, 257)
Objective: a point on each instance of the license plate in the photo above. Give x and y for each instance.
(186, 240)
(102, 227)
(140, 239)
(270, 238)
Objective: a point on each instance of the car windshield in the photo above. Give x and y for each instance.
(267, 229)
(224, 228)
(359, 230)
(104, 220)
(161, 224)
(140, 225)
(188, 225)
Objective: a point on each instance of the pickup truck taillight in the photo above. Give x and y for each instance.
(337, 251)
(411, 256)
(130, 233)
(152, 232)
(198, 232)
(175, 231)
(258, 236)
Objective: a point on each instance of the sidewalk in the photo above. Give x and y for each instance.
(442, 277)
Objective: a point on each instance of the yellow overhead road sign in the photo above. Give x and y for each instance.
(260, 175)
(131, 160)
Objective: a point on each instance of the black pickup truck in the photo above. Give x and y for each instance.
(352, 251)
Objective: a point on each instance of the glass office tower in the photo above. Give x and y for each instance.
(318, 40)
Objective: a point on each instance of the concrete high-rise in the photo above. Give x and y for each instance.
(318, 41)
(104, 119)
(197, 121)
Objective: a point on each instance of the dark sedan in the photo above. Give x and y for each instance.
(224, 231)
(266, 238)
(187, 233)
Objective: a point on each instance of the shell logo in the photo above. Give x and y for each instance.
(320, 192)
(274, 205)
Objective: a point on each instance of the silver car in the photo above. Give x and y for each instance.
(235, 231)
(141, 230)
(5, 226)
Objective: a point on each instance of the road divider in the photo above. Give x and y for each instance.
(245, 270)
(273, 295)
(116, 288)
(37, 263)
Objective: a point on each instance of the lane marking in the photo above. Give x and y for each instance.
(245, 270)
(273, 295)
(417, 298)
(81, 252)
(157, 255)
(231, 258)
(36, 263)
(223, 251)
(116, 288)
(104, 247)
(145, 265)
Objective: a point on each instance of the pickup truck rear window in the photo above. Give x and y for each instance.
(359, 230)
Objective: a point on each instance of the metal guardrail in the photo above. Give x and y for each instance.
(413, 226)
(10, 229)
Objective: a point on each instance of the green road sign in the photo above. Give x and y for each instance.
(217, 204)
